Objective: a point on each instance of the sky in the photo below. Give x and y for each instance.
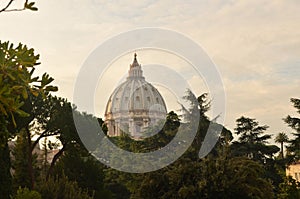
(255, 45)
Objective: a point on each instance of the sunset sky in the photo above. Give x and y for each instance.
(255, 45)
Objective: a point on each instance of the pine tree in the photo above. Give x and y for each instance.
(21, 176)
(294, 123)
(252, 140)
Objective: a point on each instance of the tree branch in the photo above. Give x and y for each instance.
(26, 6)
(37, 140)
(55, 158)
(13, 10)
(4, 9)
(44, 134)
(29, 159)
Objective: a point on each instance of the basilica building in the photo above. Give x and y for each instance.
(134, 105)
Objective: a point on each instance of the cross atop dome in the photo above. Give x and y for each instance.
(135, 70)
(135, 62)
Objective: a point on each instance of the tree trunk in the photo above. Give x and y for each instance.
(55, 158)
(30, 166)
(5, 175)
(37, 140)
(282, 156)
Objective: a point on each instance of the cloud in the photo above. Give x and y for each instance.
(255, 44)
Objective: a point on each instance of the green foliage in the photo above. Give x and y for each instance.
(78, 165)
(16, 78)
(250, 131)
(5, 177)
(49, 116)
(294, 123)
(281, 138)
(25, 193)
(242, 169)
(213, 177)
(24, 164)
(102, 125)
(172, 122)
(220, 175)
(152, 143)
(21, 176)
(248, 176)
(61, 187)
(289, 189)
(252, 140)
(217, 176)
(117, 183)
(17, 66)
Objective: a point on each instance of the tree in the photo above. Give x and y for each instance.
(41, 109)
(216, 176)
(21, 176)
(25, 193)
(246, 178)
(62, 125)
(5, 175)
(117, 183)
(62, 187)
(281, 138)
(17, 65)
(183, 178)
(49, 116)
(289, 189)
(253, 144)
(252, 140)
(294, 123)
(80, 166)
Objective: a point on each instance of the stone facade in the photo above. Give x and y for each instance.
(294, 171)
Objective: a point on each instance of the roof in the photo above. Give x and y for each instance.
(135, 94)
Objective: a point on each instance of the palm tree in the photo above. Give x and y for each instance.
(281, 138)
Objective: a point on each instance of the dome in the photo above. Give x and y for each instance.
(134, 105)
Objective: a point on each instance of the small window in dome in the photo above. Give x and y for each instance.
(117, 99)
(145, 88)
(137, 98)
(148, 99)
(157, 100)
